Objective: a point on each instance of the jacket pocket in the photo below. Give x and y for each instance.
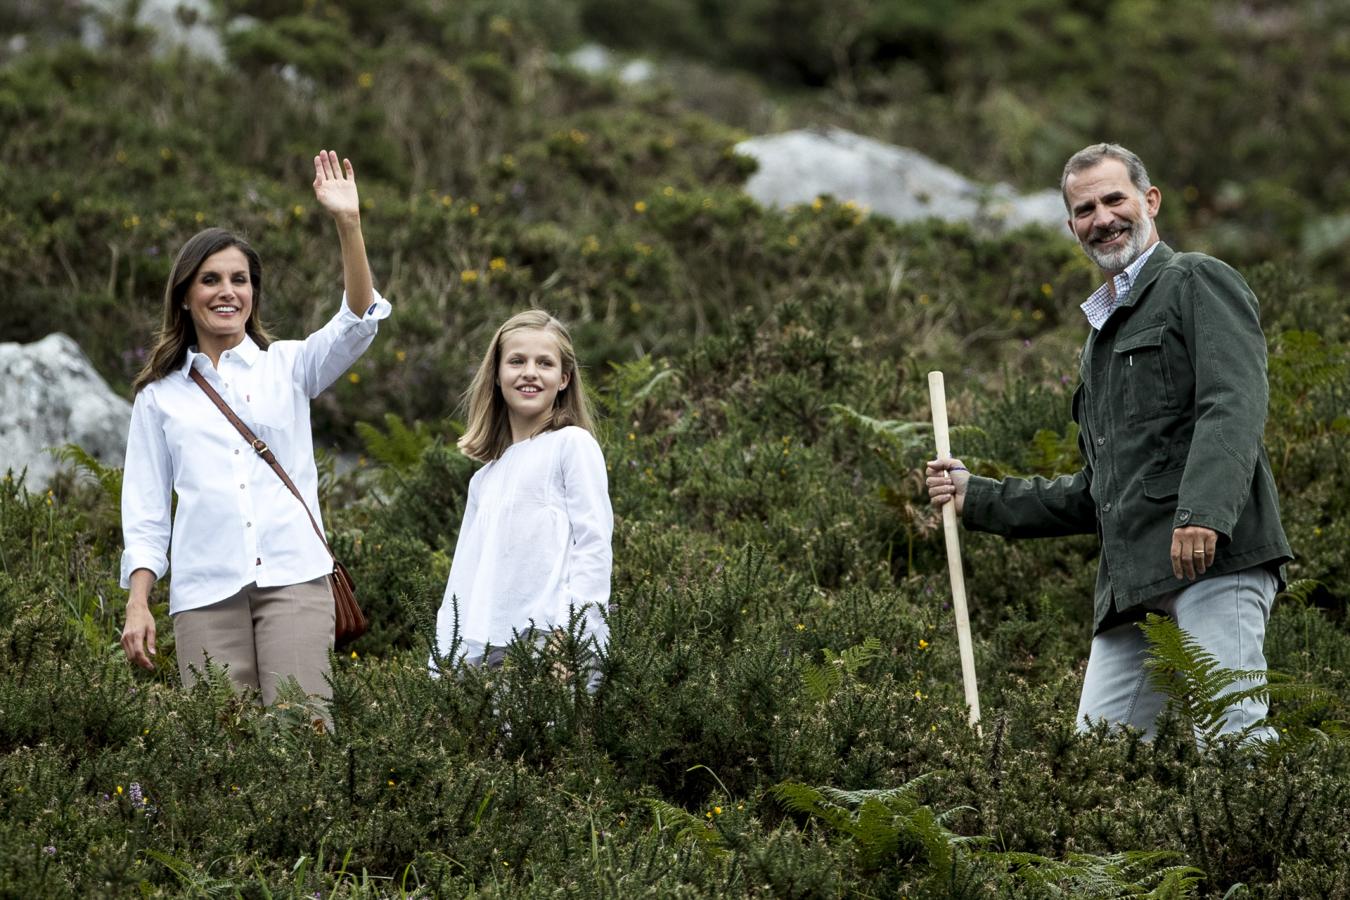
(1163, 485)
(1142, 362)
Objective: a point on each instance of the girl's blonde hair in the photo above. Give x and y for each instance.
(488, 434)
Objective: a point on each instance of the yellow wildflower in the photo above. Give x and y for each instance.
(354, 378)
(498, 264)
(640, 207)
(468, 276)
(366, 80)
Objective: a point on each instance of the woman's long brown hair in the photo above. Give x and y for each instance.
(177, 331)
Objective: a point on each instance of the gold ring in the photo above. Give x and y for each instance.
(1198, 553)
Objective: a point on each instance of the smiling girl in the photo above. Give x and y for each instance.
(250, 588)
(534, 545)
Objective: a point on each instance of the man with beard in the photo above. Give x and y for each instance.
(1171, 408)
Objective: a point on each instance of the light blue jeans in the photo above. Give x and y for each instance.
(1226, 615)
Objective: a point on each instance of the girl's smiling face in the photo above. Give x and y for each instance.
(530, 376)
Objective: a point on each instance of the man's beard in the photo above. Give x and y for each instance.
(1117, 260)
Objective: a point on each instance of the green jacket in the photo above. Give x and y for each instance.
(1171, 408)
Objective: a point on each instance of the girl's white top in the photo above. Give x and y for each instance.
(236, 523)
(534, 545)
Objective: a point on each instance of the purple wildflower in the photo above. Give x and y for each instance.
(137, 798)
(49, 850)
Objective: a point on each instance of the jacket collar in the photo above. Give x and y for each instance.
(246, 350)
(1157, 260)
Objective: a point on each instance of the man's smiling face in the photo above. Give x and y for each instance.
(1111, 218)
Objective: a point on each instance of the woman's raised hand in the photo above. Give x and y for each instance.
(335, 187)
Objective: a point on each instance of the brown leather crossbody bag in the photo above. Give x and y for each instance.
(350, 623)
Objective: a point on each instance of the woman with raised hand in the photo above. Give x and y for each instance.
(250, 589)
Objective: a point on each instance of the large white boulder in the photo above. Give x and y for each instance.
(50, 396)
(177, 23)
(897, 182)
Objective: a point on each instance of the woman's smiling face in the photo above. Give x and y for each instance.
(220, 299)
(530, 376)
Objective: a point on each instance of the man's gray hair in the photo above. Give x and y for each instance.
(1092, 155)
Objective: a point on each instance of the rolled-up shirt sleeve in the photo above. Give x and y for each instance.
(147, 494)
(592, 521)
(331, 350)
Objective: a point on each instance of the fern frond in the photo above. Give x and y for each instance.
(901, 435)
(857, 657)
(108, 477)
(1127, 874)
(687, 827)
(397, 446)
(821, 682)
(1302, 590)
(1204, 693)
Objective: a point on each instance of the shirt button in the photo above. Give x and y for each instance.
(248, 524)
(1101, 441)
(1106, 507)
(236, 452)
(241, 487)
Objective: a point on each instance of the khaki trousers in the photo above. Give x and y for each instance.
(262, 636)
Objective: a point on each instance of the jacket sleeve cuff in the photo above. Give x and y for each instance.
(142, 559)
(975, 509)
(1185, 517)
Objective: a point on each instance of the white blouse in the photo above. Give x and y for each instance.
(534, 544)
(236, 523)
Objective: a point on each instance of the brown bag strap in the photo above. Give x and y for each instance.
(260, 448)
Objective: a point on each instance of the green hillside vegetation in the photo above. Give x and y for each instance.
(782, 712)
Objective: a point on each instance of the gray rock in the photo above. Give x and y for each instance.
(50, 395)
(594, 59)
(897, 182)
(178, 23)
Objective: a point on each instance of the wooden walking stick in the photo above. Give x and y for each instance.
(938, 398)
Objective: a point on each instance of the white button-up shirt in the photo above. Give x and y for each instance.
(534, 544)
(236, 523)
